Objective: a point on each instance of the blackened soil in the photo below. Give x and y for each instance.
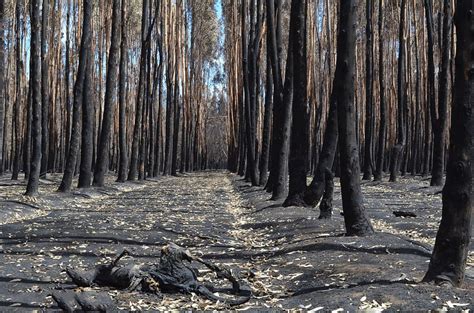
(287, 256)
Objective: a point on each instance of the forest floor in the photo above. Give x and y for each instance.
(287, 256)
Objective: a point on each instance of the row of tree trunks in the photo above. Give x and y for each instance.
(417, 139)
(66, 127)
(78, 98)
(376, 137)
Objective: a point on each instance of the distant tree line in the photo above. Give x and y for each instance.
(88, 87)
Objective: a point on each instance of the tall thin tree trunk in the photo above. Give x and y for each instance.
(133, 169)
(249, 63)
(369, 87)
(383, 110)
(67, 73)
(123, 158)
(267, 121)
(356, 221)
(18, 94)
(3, 26)
(298, 161)
(87, 145)
(44, 89)
(448, 261)
(274, 8)
(101, 166)
(78, 95)
(439, 114)
(398, 149)
(35, 85)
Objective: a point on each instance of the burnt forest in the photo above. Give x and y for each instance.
(242, 155)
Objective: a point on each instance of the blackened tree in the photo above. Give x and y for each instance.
(102, 163)
(356, 221)
(298, 161)
(448, 260)
(35, 87)
(123, 161)
(78, 95)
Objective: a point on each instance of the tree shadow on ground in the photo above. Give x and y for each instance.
(271, 224)
(381, 282)
(271, 206)
(73, 239)
(22, 280)
(320, 246)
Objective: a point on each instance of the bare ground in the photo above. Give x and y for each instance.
(290, 259)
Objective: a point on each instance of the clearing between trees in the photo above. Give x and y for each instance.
(288, 257)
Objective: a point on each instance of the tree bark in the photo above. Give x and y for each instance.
(369, 87)
(78, 95)
(35, 81)
(326, 207)
(448, 260)
(357, 224)
(18, 94)
(281, 176)
(298, 161)
(87, 145)
(383, 110)
(3, 26)
(440, 113)
(123, 161)
(398, 149)
(249, 89)
(102, 163)
(44, 90)
(274, 8)
(133, 169)
(267, 121)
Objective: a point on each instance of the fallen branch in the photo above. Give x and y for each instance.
(23, 203)
(404, 214)
(170, 275)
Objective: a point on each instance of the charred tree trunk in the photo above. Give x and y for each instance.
(78, 98)
(357, 224)
(281, 176)
(298, 162)
(450, 252)
(87, 143)
(267, 122)
(176, 118)
(3, 26)
(274, 32)
(133, 170)
(369, 87)
(123, 158)
(67, 73)
(328, 152)
(35, 85)
(169, 121)
(398, 149)
(18, 94)
(102, 163)
(249, 89)
(439, 114)
(44, 90)
(383, 110)
(326, 207)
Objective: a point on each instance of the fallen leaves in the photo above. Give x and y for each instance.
(204, 212)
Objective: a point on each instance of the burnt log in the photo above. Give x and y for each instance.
(173, 274)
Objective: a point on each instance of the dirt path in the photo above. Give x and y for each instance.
(288, 257)
(200, 211)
